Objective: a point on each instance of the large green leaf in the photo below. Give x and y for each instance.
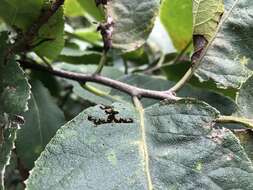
(23, 14)
(133, 22)
(206, 17)
(246, 140)
(42, 121)
(14, 93)
(54, 32)
(20, 14)
(72, 8)
(228, 56)
(89, 35)
(176, 16)
(8, 136)
(76, 56)
(245, 99)
(12, 178)
(170, 145)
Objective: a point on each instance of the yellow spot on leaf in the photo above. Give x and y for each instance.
(199, 166)
(38, 149)
(244, 60)
(112, 158)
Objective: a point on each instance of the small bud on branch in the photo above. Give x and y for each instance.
(106, 30)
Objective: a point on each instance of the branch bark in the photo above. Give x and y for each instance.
(83, 78)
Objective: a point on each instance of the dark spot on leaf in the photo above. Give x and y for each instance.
(111, 117)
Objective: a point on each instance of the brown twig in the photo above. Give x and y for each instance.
(83, 78)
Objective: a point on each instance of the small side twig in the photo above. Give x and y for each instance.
(101, 63)
(125, 66)
(161, 63)
(45, 61)
(180, 84)
(157, 66)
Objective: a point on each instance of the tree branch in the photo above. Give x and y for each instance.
(182, 82)
(24, 44)
(83, 78)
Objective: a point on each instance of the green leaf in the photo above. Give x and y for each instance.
(23, 14)
(54, 32)
(42, 121)
(246, 140)
(7, 144)
(14, 88)
(176, 71)
(168, 146)
(89, 35)
(76, 56)
(206, 17)
(90, 7)
(20, 14)
(72, 8)
(133, 22)
(228, 56)
(176, 16)
(139, 56)
(14, 93)
(12, 177)
(244, 99)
